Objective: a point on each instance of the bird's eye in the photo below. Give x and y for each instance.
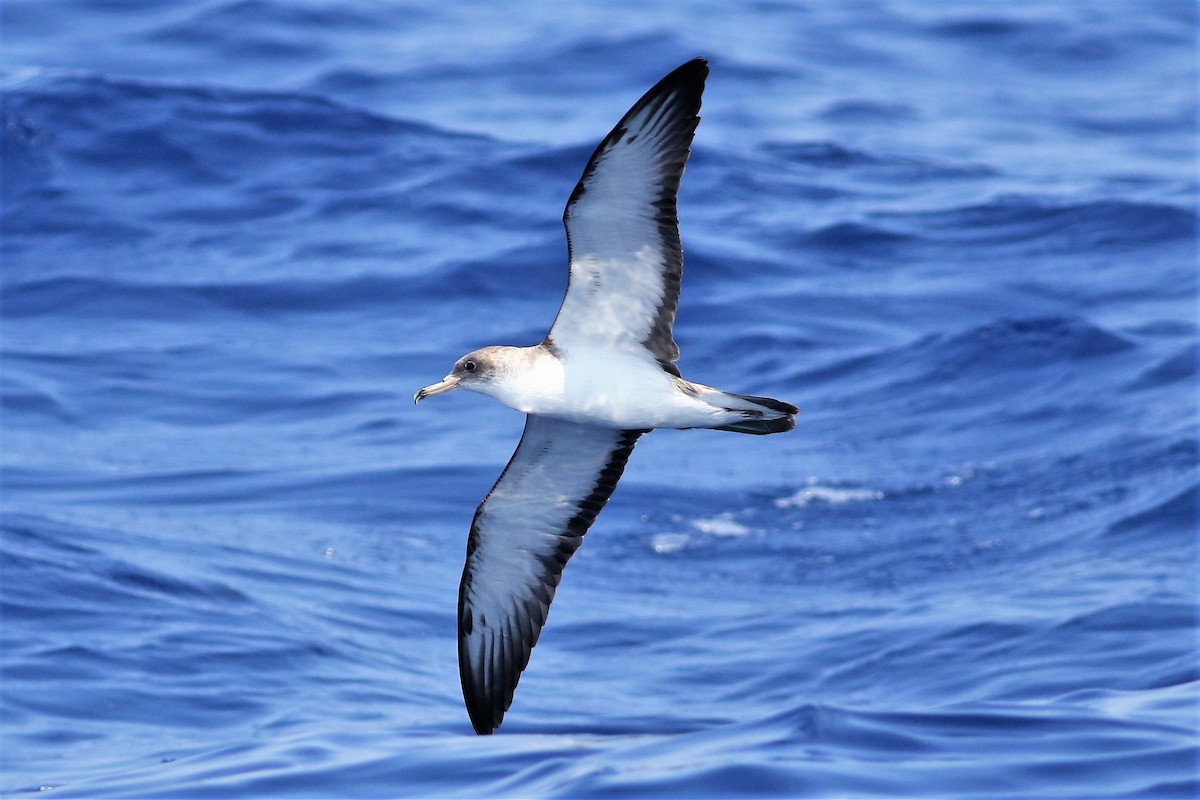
(469, 366)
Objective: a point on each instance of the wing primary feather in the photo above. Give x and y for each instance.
(530, 550)
(633, 176)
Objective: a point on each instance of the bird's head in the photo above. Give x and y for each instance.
(475, 371)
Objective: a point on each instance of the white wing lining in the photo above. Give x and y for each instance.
(526, 529)
(623, 229)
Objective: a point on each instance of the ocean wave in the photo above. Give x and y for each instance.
(885, 168)
(855, 236)
(1180, 366)
(1177, 516)
(230, 136)
(239, 234)
(984, 353)
(1029, 224)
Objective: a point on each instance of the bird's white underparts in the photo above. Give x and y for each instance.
(602, 377)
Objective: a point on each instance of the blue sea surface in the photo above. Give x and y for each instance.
(962, 237)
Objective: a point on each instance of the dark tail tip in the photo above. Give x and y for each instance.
(760, 427)
(760, 421)
(771, 403)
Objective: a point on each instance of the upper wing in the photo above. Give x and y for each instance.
(622, 229)
(527, 527)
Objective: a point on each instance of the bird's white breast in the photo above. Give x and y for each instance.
(602, 386)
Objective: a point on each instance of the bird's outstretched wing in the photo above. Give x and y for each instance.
(534, 518)
(622, 228)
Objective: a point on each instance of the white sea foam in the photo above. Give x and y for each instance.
(721, 525)
(827, 494)
(664, 543)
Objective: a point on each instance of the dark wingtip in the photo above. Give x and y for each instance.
(479, 707)
(691, 74)
(697, 67)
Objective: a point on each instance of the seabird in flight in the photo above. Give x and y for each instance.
(604, 376)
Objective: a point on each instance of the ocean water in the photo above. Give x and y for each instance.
(238, 234)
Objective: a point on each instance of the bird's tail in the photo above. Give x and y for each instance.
(751, 414)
